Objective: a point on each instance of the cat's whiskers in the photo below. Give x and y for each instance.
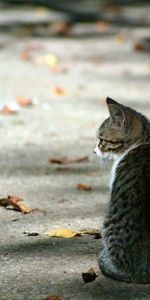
(103, 163)
(105, 158)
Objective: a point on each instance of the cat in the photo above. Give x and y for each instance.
(125, 248)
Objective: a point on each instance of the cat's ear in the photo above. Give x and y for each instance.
(116, 112)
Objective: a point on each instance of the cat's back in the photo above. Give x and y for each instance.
(132, 177)
(137, 158)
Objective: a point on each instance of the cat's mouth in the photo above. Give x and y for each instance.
(105, 155)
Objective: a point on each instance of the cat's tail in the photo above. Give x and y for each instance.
(119, 275)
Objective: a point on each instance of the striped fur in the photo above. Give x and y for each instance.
(125, 248)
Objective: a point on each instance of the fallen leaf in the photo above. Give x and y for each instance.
(66, 160)
(13, 201)
(101, 26)
(68, 233)
(89, 276)
(31, 233)
(83, 187)
(52, 297)
(23, 101)
(78, 159)
(139, 47)
(61, 28)
(60, 160)
(96, 233)
(7, 110)
(57, 91)
(52, 62)
(120, 38)
(50, 59)
(23, 209)
(41, 11)
(25, 54)
(63, 233)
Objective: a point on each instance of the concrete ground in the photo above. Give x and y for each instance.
(93, 62)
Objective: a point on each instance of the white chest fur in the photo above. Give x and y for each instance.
(113, 170)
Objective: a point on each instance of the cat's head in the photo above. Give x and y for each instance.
(119, 132)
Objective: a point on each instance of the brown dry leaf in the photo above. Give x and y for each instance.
(63, 233)
(52, 297)
(7, 110)
(57, 91)
(94, 232)
(60, 160)
(66, 160)
(101, 26)
(89, 276)
(22, 101)
(78, 159)
(25, 54)
(13, 201)
(83, 187)
(139, 47)
(61, 28)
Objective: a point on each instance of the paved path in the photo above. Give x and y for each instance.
(90, 67)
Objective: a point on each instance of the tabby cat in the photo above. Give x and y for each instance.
(125, 249)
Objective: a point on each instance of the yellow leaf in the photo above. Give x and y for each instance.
(50, 59)
(41, 11)
(24, 209)
(57, 91)
(63, 233)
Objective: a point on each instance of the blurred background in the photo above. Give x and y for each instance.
(59, 61)
(60, 56)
